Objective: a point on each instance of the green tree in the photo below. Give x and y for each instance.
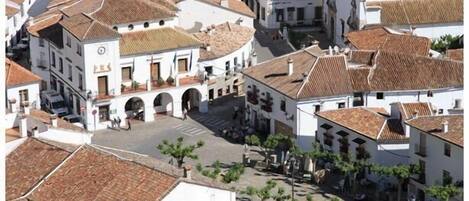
(213, 174)
(234, 173)
(266, 193)
(443, 193)
(446, 42)
(272, 142)
(179, 151)
(401, 172)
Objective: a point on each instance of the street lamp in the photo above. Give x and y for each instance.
(293, 164)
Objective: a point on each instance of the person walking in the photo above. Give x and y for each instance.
(119, 122)
(184, 113)
(128, 124)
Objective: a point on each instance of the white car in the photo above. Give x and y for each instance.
(54, 103)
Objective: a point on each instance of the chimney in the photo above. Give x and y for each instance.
(13, 107)
(412, 28)
(35, 131)
(330, 50)
(30, 21)
(254, 59)
(224, 3)
(27, 110)
(290, 66)
(336, 49)
(445, 127)
(415, 114)
(208, 47)
(23, 126)
(53, 120)
(407, 130)
(187, 171)
(315, 43)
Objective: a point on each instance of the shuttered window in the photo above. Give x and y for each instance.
(127, 73)
(182, 65)
(155, 71)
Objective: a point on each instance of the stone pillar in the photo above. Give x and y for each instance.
(148, 113)
(177, 108)
(176, 80)
(148, 85)
(53, 120)
(23, 126)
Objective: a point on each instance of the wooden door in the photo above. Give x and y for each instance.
(155, 71)
(182, 65)
(102, 85)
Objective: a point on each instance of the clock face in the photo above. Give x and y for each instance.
(101, 50)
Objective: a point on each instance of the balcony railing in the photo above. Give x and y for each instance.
(328, 142)
(252, 98)
(343, 149)
(267, 104)
(420, 178)
(420, 150)
(361, 153)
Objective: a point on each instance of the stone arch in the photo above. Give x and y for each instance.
(191, 99)
(135, 108)
(163, 103)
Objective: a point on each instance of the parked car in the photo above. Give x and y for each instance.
(54, 103)
(74, 119)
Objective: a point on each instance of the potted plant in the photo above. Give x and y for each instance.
(122, 87)
(160, 81)
(170, 80)
(135, 85)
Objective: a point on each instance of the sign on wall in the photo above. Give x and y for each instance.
(102, 68)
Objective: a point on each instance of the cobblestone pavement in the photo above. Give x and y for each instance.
(144, 137)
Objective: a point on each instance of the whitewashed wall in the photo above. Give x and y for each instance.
(33, 94)
(152, 24)
(211, 15)
(66, 136)
(271, 17)
(193, 192)
(434, 31)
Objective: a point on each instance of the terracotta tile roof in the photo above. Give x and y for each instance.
(10, 11)
(408, 109)
(44, 117)
(395, 71)
(114, 12)
(19, 2)
(363, 57)
(95, 175)
(455, 54)
(155, 40)
(41, 24)
(359, 78)
(16, 74)
(432, 125)
(410, 12)
(12, 134)
(223, 40)
(381, 38)
(28, 164)
(234, 5)
(325, 75)
(85, 28)
(369, 122)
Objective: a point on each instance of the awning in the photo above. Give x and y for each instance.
(359, 140)
(342, 133)
(326, 126)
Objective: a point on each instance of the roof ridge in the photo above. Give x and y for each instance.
(382, 128)
(307, 77)
(97, 9)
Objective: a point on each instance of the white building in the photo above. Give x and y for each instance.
(16, 12)
(369, 133)
(284, 93)
(133, 63)
(22, 87)
(195, 15)
(227, 50)
(437, 145)
(47, 170)
(416, 16)
(273, 13)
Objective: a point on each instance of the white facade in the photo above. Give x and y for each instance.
(272, 13)
(435, 160)
(33, 96)
(341, 17)
(195, 192)
(14, 25)
(303, 122)
(196, 14)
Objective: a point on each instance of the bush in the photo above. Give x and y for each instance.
(170, 80)
(160, 81)
(234, 173)
(135, 84)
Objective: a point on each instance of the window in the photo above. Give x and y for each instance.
(290, 13)
(235, 61)
(70, 72)
(41, 42)
(227, 68)
(447, 179)
(447, 150)
(146, 25)
(283, 105)
(182, 65)
(263, 13)
(104, 113)
(53, 83)
(77, 105)
(429, 93)
(380, 95)
(300, 14)
(341, 105)
(161, 22)
(440, 111)
(342, 24)
(22, 11)
(52, 63)
(130, 27)
(127, 73)
(78, 49)
(14, 21)
(80, 81)
(280, 14)
(209, 70)
(317, 108)
(115, 28)
(69, 41)
(61, 89)
(61, 65)
(23, 96)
